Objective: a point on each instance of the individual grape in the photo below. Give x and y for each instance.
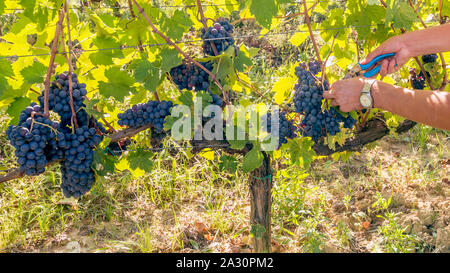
(430, 58)
(220, 35)
(190, 76)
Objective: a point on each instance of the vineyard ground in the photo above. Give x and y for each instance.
(189, 205)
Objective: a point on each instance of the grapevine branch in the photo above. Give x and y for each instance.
(205, 25)
(167, 39)
(52, 61)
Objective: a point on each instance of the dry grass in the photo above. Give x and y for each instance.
(188, 205)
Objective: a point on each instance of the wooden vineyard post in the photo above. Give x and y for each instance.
(260, 184)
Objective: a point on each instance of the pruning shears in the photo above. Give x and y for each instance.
(356, 70)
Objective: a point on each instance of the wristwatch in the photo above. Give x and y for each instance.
(366, 97)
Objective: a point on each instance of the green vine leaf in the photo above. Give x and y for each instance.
(119, 86)
(400, 14)
(35, 73)
(264, 11)
(253, 159)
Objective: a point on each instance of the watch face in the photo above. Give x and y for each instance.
(365, 101)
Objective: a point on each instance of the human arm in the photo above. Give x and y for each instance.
(411, 44)
(427, 107)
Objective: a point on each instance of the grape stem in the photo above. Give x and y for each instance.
(69, 61)
(313, 40)
(441, 56)
(52, 61)
(205, 25)
(167, 39)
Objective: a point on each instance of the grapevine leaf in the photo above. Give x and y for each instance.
(103, 163)
(2, 7)
(235, 140)
(6, 68)
(282, 89)
(34, 73)
(242, 60)
(301, 151)
(169, 59)
(264, 11)
(140, 159)
(148, 73)
(298, 38)
(28, 6)
(102, 28)
(105, 57)
(400, 14)
(252, 159)
(223, 67)
(16, 107)
(175, 26)
(120, 84)
(228, 163)
(90, 108)
(187, 98)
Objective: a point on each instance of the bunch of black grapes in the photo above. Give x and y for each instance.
(430, 58)
(308, 99)
(31, 138)
(150, 113)
(417, 80)
(189, 76)
(59, 98)
(78, 146)
(314, 67)
(286, 129)
(220, 34)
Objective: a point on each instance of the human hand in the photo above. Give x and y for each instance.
(392, 64)
(346, 94)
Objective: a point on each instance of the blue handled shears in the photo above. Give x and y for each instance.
(355, 71)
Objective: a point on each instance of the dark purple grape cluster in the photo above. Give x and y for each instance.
(286, 129)
(430, 58)
(308, 99)
(314, 67)
(220, 34)
(417, 80)
(189, 76)
(78, 146)
(58, 99)
(39, 141)
(31, 138)
(150, 113)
